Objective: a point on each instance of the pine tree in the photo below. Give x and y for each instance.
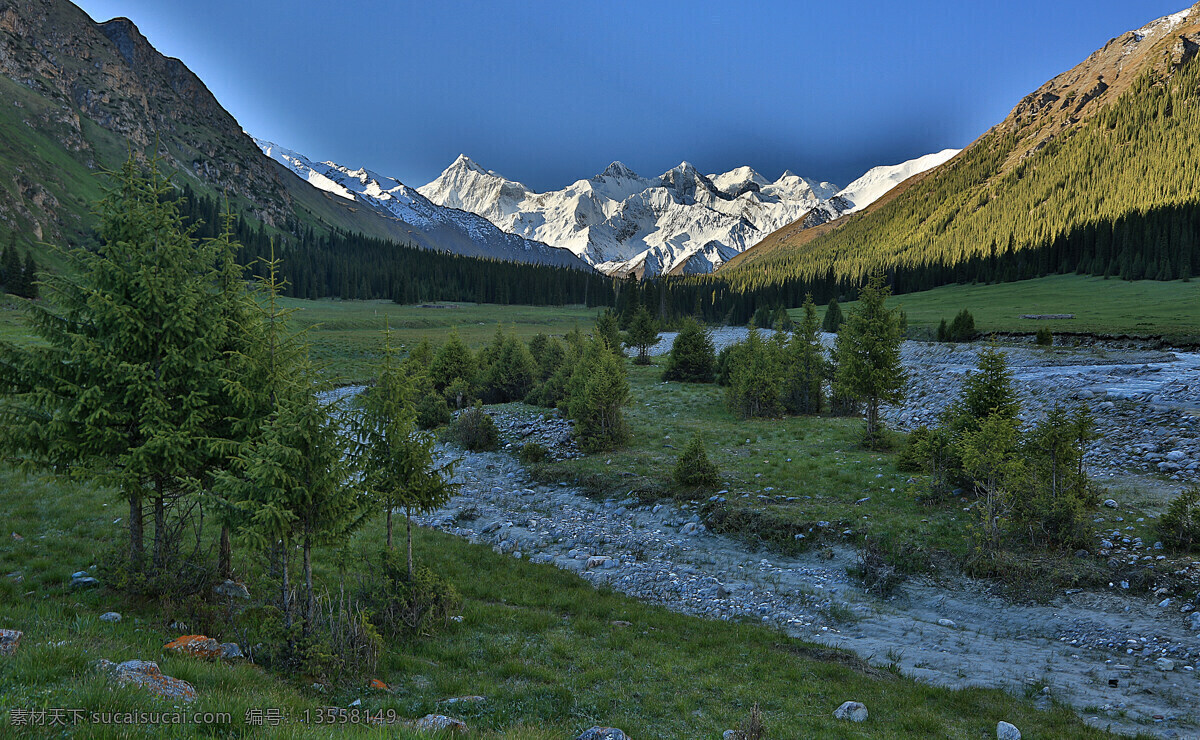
(291, 481)
(608, 330)
(867, 355)
(29, 278)
(11, 268)
(693, 468)
(454, 363)
(595, 394)
(807, 366)
(833, 317)
(122, 386)
(692, 358)
(510, 370)
(395, 458)
(643, 334)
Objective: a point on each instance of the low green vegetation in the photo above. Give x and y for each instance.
(1104, 307)
(544, 647)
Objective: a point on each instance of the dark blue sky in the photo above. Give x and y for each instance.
(548, 92)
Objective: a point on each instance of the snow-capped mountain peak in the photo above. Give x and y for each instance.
(433, 226)
(680, 221)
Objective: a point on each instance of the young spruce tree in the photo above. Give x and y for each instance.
(867, 355)
(395, 457)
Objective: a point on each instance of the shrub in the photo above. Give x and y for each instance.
(693, 468)
(692, 358)
(404, 607)
(1180, 526)
(1044, 337)
(532, 452)
(431, 407)
(474, 430)
(961, 329)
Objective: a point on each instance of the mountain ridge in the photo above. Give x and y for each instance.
(961, 209)
(679, 222)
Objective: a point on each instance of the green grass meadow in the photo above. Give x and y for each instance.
(1144, 308)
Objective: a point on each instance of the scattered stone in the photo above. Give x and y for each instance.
(197, 646)
(851, 710)
(1195, 621)
(463, 700)
(1005, 731)
(440, 722)
(146, 674)
(620, 623)
(231, 589)
(231, 651)
(603, 733)
(731, 735)
(1110, 503)
(10, 640)
(17, 538)
(110, 617)
(1165, 665)
(947, 623)
(81, 579)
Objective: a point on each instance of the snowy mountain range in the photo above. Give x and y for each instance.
(679, 222)
(430, 226)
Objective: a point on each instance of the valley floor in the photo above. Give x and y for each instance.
(948, 633)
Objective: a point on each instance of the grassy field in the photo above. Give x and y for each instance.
(348, 335)
(542, 645)
(1145, 308)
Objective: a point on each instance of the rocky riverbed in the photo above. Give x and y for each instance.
(1146, 403)
(1123, 661)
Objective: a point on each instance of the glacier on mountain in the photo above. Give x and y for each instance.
(447, 228)
(681, 222)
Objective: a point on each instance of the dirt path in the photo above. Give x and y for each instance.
(947, 634)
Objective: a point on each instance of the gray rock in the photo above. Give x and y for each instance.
(851, 710)
(84, 581)
(440, 722)
(231, 651)
(1110, 503)
(231, 589)
(602, 733)
(110, 617)
(947, 623)
(1195, 621)
(10, 640)
(1005, 731)
(1165, 665)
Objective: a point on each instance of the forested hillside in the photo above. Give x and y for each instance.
(1096, 172)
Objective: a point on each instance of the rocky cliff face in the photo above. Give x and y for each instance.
(109, 75)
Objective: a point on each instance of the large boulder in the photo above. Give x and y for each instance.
(146, 674)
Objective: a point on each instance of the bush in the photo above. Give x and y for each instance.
(595, 393)
(961, 329)
(1180, 526)
(432, 411)
(532, 452)
(1044, 337)
(403, 607)
(692, 358)
(693, 468)
(474, 430)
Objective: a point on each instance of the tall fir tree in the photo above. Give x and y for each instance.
(121, 388)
